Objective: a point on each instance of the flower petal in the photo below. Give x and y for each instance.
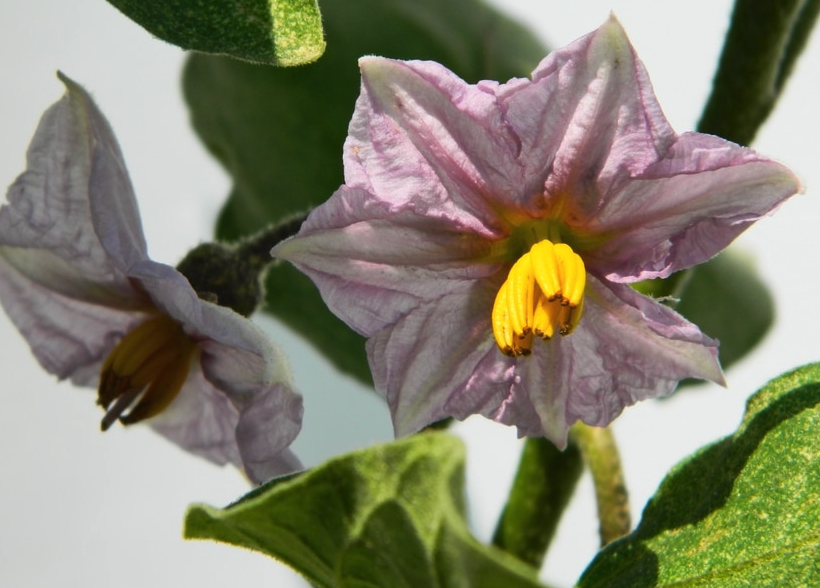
(70, 337)
(246, 411)
(425, 137)
(588, 116)
(441, 361)
(74, 202)
(627, 348)
(375, 261)
(685, 208)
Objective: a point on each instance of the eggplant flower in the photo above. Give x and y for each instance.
(76, 280)
(486, 236)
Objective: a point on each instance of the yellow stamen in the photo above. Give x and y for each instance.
(543, 293)
(145, 371)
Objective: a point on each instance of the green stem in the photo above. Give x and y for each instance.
(600, 454)
(764, 40)
(255, 250)
(542, 487)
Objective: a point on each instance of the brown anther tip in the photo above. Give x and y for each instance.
(508, 351)
(526, 352)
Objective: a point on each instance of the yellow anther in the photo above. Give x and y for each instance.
(520, 289)
(543, 293)
(573, 275)
(502, 327)
(546, 268)
(545, 317)
(145, 371)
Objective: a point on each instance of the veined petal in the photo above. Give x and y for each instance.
(428, 139)
(72, 155)
(253, 435)
(243, 409)
(440, 361)
(628, 348)
(202, 420)
(69, 336)
(588, 116)
(386, 263)
(685, 208)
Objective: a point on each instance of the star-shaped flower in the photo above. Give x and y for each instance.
(76, 280)
(477, 219)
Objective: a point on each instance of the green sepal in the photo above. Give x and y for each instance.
(391, 516)
(276, 32)
(279, 132)
(741, 512)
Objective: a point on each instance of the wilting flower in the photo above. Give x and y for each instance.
(76, 280)
(477, 220)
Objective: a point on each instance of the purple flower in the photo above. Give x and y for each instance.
(77, 282)
(477, 219)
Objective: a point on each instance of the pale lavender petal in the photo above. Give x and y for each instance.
(588, 117)
(685, 208)
(206, 422)
(627, 348)
(49, 207)
(248, 381)
(70, 337)
(201, 420)
(391, 259)
(441, 361)
(268, 424)
(422, 136)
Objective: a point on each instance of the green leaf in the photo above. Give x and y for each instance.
(744, 511)
(279, 132)
(277, 32)
(390, 516)
(764, 40)
(725, 298)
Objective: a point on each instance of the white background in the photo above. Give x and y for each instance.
(79, 508)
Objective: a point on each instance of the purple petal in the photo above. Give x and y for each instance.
(588, 117)
(423, 136)
(69, 336)
(387, 261)
(202, 420)
(627, 348)
(52, 205)
(440, 361)
(246, 411)
(685, 208)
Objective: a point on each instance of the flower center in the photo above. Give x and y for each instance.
(145, 371)
(543, 293)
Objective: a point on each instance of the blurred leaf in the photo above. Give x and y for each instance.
(728, 301)
(725, 298)
(279, 132)
(278, 32)
(764, 40)
(390, 516)
(744, 511)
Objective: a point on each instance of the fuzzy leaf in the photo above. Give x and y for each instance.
(741, 512)
(277, 32)
(391, 515)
